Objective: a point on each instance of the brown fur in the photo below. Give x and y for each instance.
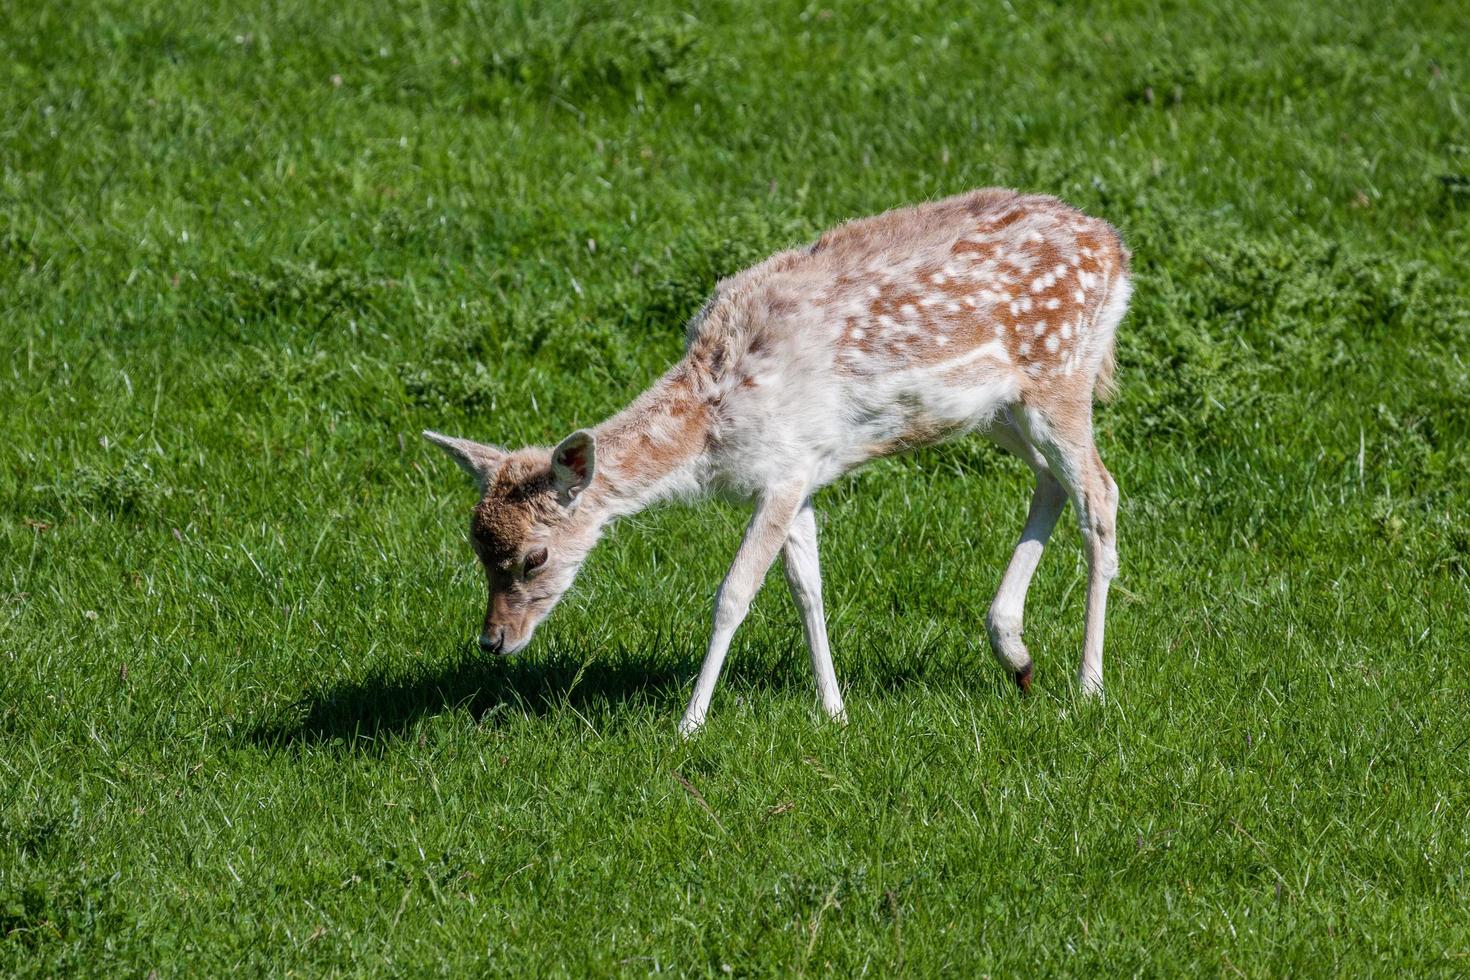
(520, 496)
(929, 283)
(938, 301)
(661, 430)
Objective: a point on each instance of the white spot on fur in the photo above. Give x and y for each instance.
(1051, 343)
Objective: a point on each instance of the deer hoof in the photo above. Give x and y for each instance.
(1023, 679)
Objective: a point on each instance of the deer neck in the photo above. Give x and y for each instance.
(654, 449)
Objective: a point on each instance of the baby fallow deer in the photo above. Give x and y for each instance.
(989, 312)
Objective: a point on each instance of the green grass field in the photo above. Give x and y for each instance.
(247, 254)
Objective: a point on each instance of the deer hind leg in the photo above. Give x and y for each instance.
(1007, 610)
(804, 576)
(1064, 438)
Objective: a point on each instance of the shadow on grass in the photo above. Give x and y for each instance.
(373, 711)
(387, 704)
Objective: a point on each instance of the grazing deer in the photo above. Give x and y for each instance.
(989, 312)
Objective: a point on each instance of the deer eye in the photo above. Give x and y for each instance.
(535, 559)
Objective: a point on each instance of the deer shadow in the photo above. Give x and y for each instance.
(372, 711)
(392, 700)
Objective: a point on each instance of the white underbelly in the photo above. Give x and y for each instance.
(818, 428)
(905, 410)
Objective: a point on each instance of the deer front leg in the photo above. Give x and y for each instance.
(768, 529)
(804, 576)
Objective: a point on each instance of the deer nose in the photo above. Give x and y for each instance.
(495, 643)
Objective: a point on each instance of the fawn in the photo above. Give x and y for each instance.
(990, 312)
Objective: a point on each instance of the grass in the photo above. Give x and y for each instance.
(249, 250)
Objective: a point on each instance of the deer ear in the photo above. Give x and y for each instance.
(475, 458)
(572, 465)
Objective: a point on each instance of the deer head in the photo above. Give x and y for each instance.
(531, 529)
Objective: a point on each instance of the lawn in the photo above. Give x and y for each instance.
(248, 251)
